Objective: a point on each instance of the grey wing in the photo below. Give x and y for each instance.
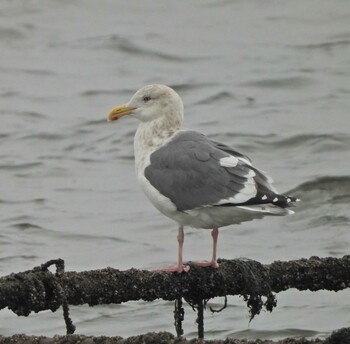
(193, 171)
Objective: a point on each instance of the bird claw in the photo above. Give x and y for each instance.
(205, 263)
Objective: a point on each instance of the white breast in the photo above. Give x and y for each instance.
(144, 146)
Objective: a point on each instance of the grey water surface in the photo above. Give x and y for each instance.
(270, 78)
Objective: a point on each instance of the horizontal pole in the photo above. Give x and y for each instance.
(39, 289)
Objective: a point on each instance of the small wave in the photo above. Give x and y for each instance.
(3, 135)
(16, 167)
(288, 332)
(40, 72)
(91, 93)
(61, 235)
(310, 141)
(30, 114)
(255, 137)
(95, 122)
(25, 226)
(290, 83)
(122, 44)
(88, 160)
(9, 258)
(191, 86)
(220, 96)
(31, 71)
(327, 219)
(10, 34)
(8, 93)
(324, 45)
(126, 157)
(44, 136)
(330, 191)
(327, 183)
(90, 238)
(35, 201)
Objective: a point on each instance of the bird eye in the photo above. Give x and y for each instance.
(146, 99)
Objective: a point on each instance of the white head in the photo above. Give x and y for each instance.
(150, 103)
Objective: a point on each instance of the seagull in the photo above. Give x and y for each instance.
(195, 181)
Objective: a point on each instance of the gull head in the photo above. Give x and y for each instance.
(150, 103)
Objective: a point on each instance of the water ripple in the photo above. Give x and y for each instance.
(125, 45)
(319, 141)
(324, 45)
(15, 167)
(45, 136)
(291, 82)
(10, 34)
(315, 142)
(334, 184)
(30, 114)
(35, 201)
(8, 258)
(261, 334)
(330, 191)
(97, 92)
(25, 226)
(218, 97)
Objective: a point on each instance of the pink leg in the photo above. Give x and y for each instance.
(213, 263)
(215, 235)
(179, 267)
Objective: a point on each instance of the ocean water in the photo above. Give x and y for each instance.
(270, 78)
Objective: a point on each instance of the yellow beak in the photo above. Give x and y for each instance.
(119, 112)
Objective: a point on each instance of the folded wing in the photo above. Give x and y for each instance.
(194, 171)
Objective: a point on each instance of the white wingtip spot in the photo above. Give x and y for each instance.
(250, 174)
(275, 199)
(288, 200)
(264, 197)
(229, 161)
